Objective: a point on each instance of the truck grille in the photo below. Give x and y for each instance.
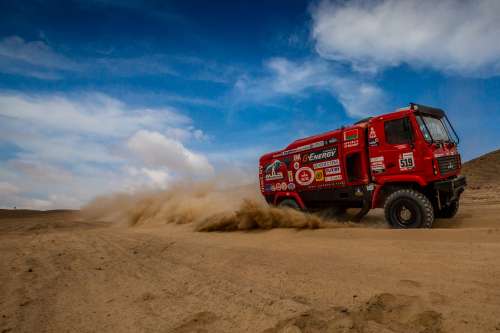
(448, 164)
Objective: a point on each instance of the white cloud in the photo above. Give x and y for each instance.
(75, 147)
(157, 178)
(40, 60)
(34, 53)
(284, 77)
(155, 149)
(451, 36)
(7, 188)
(360, 99)
(291, 77)
(94, 114)
(297, 79)
(11, 196)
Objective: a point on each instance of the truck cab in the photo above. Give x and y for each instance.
(415, 149)
(406, 162)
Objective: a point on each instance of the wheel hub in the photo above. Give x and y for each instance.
(405, 214)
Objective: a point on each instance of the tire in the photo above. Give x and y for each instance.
(449, 211)
(407, 208)
(289, 203)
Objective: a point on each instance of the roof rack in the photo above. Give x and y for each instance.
(427, 110)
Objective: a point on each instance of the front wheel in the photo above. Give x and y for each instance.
(407, 208)
(449, 211)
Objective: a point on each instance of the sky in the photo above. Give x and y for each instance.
(105, 96)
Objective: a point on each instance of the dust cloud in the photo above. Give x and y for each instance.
(202, 204)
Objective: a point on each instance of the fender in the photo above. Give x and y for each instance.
(402, 179)
(375, 196)
(293, 195)
(381, 181)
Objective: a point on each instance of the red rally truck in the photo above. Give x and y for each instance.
(405, 162)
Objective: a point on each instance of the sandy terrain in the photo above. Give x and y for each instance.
(59, 273)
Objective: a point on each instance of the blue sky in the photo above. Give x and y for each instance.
(104, 95)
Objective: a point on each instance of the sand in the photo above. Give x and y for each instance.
(60, 274)
(64, 271)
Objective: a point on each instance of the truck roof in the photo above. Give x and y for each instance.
(337, 133)
(363, 123)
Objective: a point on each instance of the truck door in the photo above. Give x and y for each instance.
(355, 158)
(393, 152)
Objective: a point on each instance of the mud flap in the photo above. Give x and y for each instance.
(449, 191)
(362, 212)
(367, 204)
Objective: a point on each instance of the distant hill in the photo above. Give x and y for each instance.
(483, 172)
(25, 213)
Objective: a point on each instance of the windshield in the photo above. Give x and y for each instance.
(433, 129)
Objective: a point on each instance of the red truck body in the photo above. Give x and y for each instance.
(363, 164)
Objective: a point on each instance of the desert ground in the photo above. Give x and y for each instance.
(61, 271)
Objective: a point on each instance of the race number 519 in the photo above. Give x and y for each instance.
(406, 161)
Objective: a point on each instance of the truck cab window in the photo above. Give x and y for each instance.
(433, 129)
(398, 131)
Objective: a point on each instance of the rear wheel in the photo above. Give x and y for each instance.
(407, 208)
(449, 211)
(289, 203)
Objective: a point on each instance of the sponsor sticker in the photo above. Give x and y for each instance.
(372, 137)
(319, 176)
(351, 134)
(296, 165)
(325, 164)
(273, 188)
(271, 171)
(350, 144)
(283, 186)
(372, 134)
(301, 148)
(332, 171)
(320, 155)
(377, 164)
(406, 161)
(291, 186)
(296, 157)
(290, 176)
(304, 176)
(278, 186)
(333, 178)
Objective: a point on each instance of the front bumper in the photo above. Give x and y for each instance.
(451, 189)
